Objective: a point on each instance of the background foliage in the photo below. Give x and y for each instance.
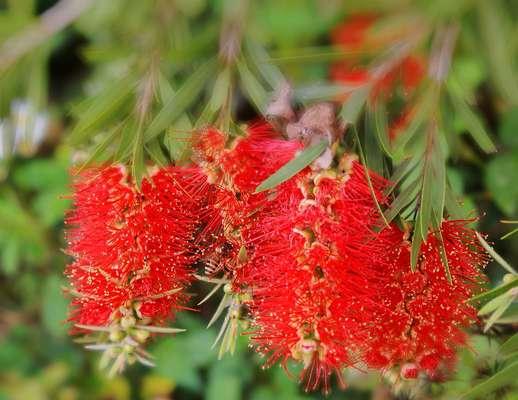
(88, 83)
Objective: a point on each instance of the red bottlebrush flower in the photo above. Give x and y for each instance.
(422, 315)
(308, 299)
(235, 172)
(352, 33)
(399, 125)
(132, 251)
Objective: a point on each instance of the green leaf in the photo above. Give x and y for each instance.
(499, 311)
(417, 239)
(178, 140)
(260, 59)
(493, 304)
(54, 306)
(301, 161)
(138, 165)
(508, 130)
(504, 264)
(491, 294)
(437, 220)
(495, 38)
(154, 150)
(221, 90)
(254, 91)
(353, 107)
(403, 199)
(510, 345)
(421, 115)
(100, 149)
(504, 377)
(105, 106)
(321, 91)
(380, 121)
(424, 214)
(182, 99)
(401, 171)
(127, 138)
(502, 184)
(472, 121)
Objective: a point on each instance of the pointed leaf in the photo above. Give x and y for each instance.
(510, 345)
(301, 161)
(254, 91)
(473, 122)
(104, 107)
(182, 99)
(354, 104)
(491, 294)
(502, 378)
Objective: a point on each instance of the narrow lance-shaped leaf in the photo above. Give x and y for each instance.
(473, 122)
(491, 294)
(493, 304)
(155, 152)
(105, 106)
(181, 100)
(102, 146)
(261, 61)
(437, 219)
(510, 346)
(403, 199)
(291, 168)
(353, 107)
(379, 114)
(502, 378)
(401, 171)
(253, 88)
(495, 255)
(416, 245)
(367, 176)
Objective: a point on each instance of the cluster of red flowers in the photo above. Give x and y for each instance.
(356, 39)
(321, 286)
(132, 249)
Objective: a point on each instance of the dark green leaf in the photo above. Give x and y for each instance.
(103, 108)
(54, 307)
(154, 150)
(354, 104)
(504, 377)
(301, 161)
(254, 91)
(181, 100)
(403, 199)
(508, 130)
(379, 114)
(510, 345)
(416, 245)
(491, 294)
(502, 183)
(473, 122)
(260, 59)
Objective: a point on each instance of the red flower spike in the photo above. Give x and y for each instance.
(132, 251)
(235, 170)
(422, 317)
(352, 35)
(309, 301)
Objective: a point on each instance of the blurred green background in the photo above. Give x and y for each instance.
(38, 360)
